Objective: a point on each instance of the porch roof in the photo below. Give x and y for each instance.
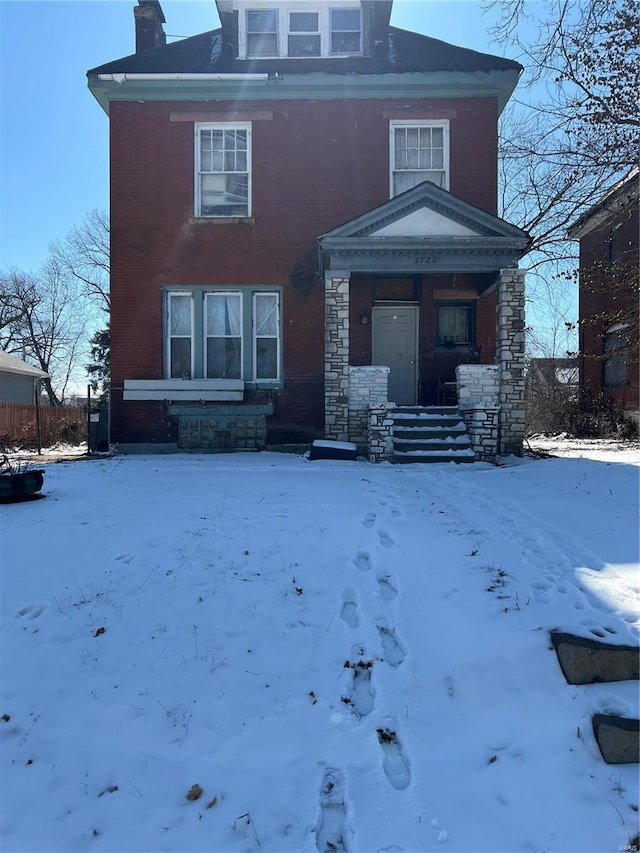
(425, 229)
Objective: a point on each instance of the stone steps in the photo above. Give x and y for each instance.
(430, 434)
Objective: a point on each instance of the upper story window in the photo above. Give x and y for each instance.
(304, 34)
(223, 169)
(419, 151)
(346, 31)
(300, 29)
(262, 32)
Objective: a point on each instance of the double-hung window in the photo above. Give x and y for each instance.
(346, 31)
(223, 329)
(223, 169)
(304, 34)
(419, 151)
(223, 333)
(262, 32)
(180, 334)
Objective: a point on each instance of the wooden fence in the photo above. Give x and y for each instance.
(57, 423)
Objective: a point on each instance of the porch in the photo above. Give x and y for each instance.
(421, 285)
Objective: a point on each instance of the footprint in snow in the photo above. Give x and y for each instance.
(331, 828)
(542, 592)
(385, 540)
(369, 520)
(32, 611)
(349, 610)
(394, 760)
(361, 696)
(387, 586)
(363, 561)
(392, 649)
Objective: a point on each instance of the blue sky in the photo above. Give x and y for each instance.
(54, 143)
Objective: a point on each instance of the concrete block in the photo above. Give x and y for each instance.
(618, 738)
(585, 661)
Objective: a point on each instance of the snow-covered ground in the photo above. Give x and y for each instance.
(255, 652)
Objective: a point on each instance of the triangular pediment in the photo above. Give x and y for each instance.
(425, 229)
(426, 211)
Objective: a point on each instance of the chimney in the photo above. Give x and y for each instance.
(149, 20)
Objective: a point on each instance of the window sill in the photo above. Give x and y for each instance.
(264, 385)
(248, 221)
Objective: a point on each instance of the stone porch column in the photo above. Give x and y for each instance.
(510, 359)
(336, 357)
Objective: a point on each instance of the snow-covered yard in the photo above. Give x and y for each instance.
(262, 653)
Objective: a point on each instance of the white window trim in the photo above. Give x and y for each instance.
(205, 336)
(283, 9)
(198, 295)
(278, 336)
(393, 125)
(169, 336)
(244, 17)
(221, 125)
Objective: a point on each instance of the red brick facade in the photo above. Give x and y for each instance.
(608, 300)
(315, 165)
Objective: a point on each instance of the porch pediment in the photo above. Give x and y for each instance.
(425, 229)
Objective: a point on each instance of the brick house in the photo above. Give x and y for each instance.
(608, 298)
(295, 195)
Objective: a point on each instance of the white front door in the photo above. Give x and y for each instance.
(395, 345)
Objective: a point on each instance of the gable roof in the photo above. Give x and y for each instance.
(430, 230)
(10, 364)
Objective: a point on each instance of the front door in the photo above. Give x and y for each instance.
(395, 345)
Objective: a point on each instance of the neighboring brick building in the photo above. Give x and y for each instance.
(608, 299)
(292, 193)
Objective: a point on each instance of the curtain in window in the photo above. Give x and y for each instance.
(453, 324)
(180, 335)
(224, 336)
(266, 324)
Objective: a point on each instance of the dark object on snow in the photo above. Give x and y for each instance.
(585, 661)
(321, 449)
(20, 485)
(618, 738)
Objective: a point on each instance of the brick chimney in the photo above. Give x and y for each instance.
(149, 19)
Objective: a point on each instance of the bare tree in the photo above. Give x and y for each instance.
(574, 130)
(84, 253)
(44, 322)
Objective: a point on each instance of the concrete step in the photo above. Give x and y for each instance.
(429, 410)
(461, 442)
(434, 456)
(426, 433)
(427, 419)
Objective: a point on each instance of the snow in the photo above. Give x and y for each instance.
(250, 652)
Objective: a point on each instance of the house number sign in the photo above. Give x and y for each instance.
(426, 259)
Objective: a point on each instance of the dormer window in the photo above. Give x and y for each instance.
(304, 34)
(262, 32)
(299, 29)
(346, 31)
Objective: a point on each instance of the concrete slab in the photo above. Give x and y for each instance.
(618, 738)
(586, 661)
